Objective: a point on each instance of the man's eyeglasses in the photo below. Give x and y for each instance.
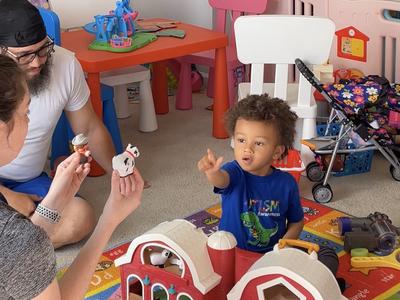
(24, 59)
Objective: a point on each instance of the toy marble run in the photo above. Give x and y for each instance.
(177, 261)
(115, 31)
(374, 232)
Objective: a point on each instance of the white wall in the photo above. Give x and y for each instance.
(197, 12)
(74, 13)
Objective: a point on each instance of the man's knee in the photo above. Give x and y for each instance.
(78, 220)
(82, 215)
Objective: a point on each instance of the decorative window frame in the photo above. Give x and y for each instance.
(276, 281)
(161, 246)
(161, 285)
(127, 283)
(184, 294)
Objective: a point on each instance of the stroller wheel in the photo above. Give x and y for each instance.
(322, 193)
(314, 172)
(395, 173)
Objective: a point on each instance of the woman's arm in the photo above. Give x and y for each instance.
(124, 198)
(66, 183)
(75, 282)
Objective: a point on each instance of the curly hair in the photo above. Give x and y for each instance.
(263, 108)
(12, 90)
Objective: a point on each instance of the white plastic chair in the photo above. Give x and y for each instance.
(279, 40)
(76, 13)
(119, 79)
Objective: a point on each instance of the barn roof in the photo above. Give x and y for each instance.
(189, 242)
(296, 264)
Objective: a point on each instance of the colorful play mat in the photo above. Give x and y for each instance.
(320, 227)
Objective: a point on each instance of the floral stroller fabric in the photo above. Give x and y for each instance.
(373, 100)
(368, 112)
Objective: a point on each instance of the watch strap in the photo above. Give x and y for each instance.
(52, 215)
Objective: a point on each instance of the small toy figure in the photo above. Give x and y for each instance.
(160, 258)
(125, 162)
(176, 261)
(80, 144)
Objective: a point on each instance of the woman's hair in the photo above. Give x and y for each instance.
(12, 89)
(265, 109)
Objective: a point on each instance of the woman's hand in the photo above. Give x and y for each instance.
(125, 197)
(67, 180)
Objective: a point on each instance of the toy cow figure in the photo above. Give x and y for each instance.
(124, 163)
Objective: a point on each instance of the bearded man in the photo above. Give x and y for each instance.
(56, 84)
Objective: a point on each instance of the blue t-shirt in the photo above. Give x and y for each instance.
(256, 209)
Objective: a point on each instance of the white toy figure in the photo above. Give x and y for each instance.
(80, 144)
(159, 258)
(125, 162)
(176, 261)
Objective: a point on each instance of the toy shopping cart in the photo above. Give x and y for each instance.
(364, 124)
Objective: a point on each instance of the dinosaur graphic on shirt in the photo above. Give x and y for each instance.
(260, 236)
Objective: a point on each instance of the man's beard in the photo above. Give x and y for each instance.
(40, 82)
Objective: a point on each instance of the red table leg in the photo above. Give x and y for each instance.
(221, 101)
(160, 87)
(93, 80)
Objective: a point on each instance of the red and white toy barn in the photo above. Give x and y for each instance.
(176, 260)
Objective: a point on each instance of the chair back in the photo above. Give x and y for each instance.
(279, 40)
(52, 24)
(234, 9)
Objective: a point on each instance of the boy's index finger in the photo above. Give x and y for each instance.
(210, 156)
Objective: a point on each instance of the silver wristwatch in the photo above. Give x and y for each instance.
(52, 215)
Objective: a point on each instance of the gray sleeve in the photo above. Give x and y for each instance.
(29, 264)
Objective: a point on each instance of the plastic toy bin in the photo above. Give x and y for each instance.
(354, 163)
(292, 163)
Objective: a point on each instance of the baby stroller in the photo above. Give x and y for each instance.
(365, 120)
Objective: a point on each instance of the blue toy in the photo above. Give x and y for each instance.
(116, 31)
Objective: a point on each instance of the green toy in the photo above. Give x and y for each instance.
(139, 40)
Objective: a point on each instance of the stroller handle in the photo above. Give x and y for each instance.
(314, 81)
(305, 71)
